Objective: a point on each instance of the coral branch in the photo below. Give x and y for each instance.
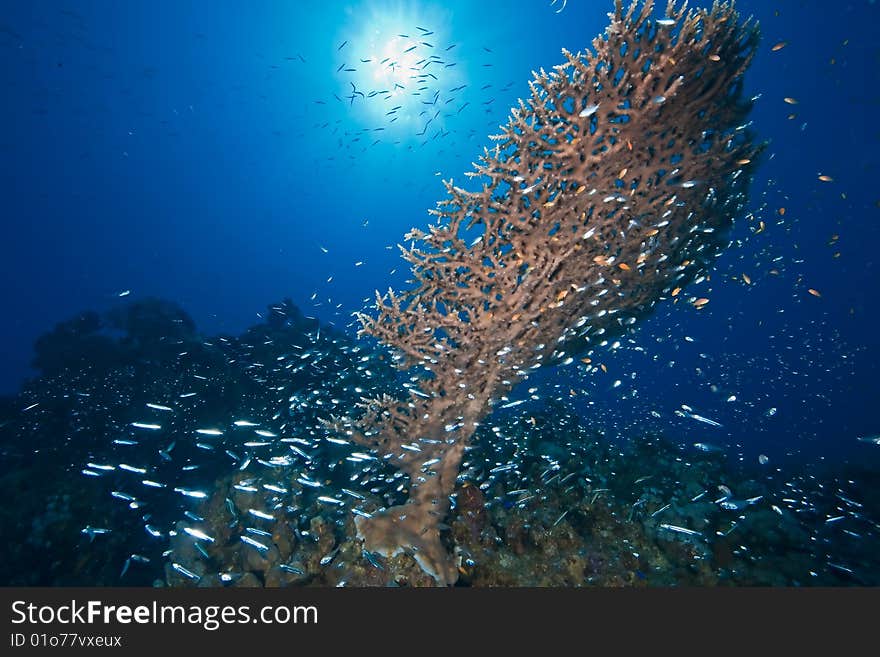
(614, 183)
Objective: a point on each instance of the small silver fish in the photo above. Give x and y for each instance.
(329, 557)
(198, 534)
(373, 559)
(589, 110)
(166, 453)
(247, 540)
(737, 505)
(197, 494)
(680, 530)
(257, 532)
(91, 532)
(185, 571)
(699, 418)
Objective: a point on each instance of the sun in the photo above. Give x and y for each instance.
(397, 66)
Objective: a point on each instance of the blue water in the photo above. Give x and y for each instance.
(179, 150)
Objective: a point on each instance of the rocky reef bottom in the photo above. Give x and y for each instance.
(643, 515)
(150, 455)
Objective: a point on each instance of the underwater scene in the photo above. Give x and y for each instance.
(554, 293)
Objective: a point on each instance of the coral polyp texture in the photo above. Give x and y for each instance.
(608, 190)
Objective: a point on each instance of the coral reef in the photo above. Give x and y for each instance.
(94, 386)
(73, 344)
(609, 190)
(545, 498)
(149, 327)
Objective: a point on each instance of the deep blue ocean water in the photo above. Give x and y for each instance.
(223, 157)
(178, 150)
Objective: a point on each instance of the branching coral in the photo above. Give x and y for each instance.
(610, 187)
